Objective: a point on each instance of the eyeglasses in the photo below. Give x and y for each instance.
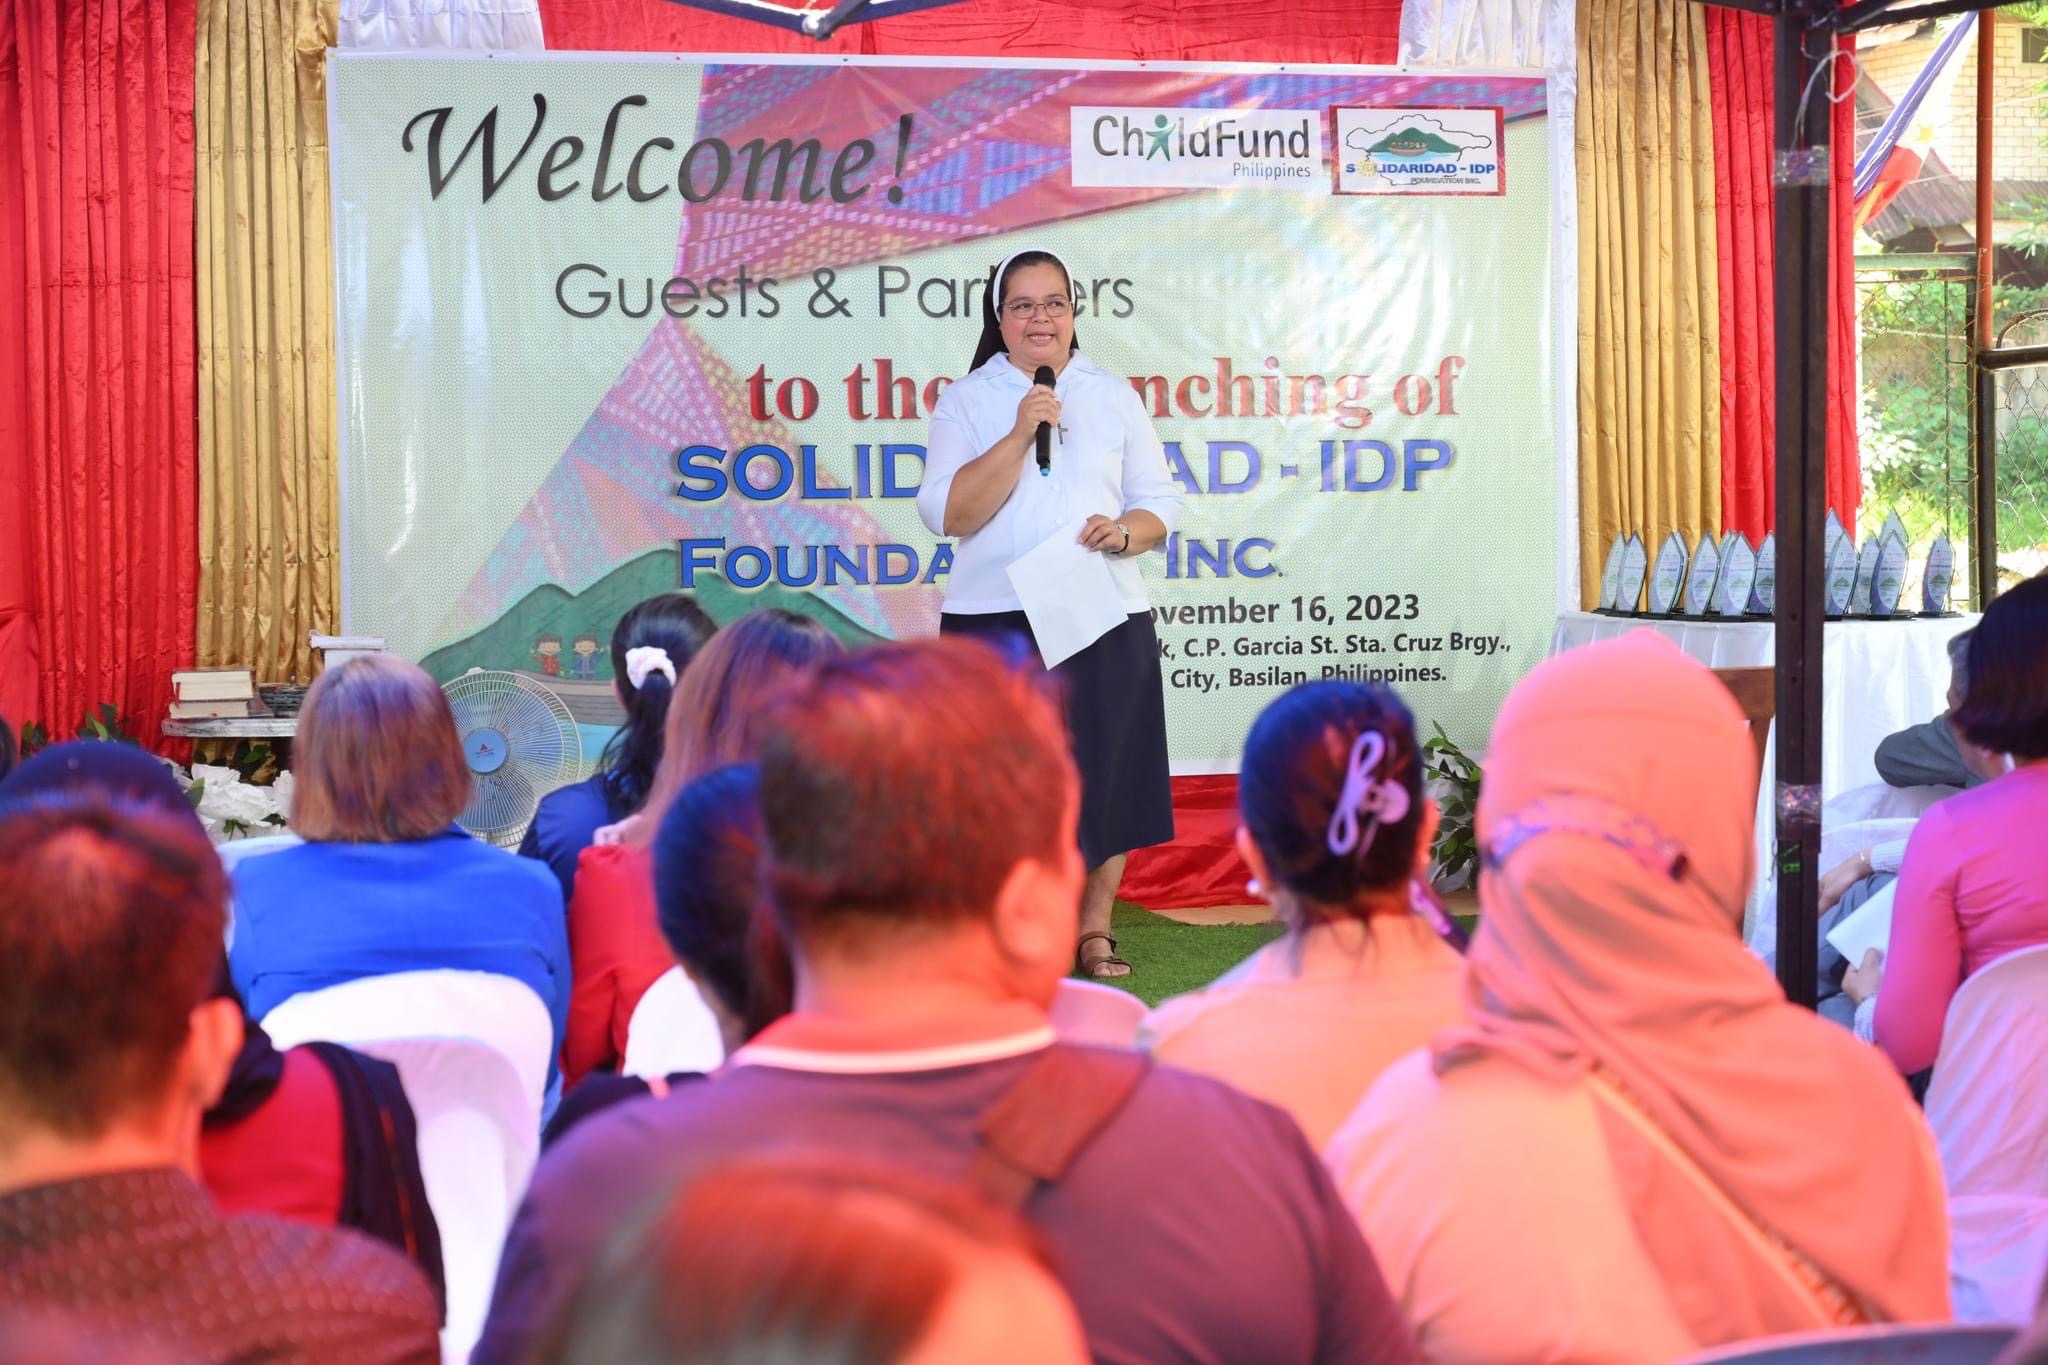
(1020, 309)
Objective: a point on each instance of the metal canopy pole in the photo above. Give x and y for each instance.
(1804, 119)
(1804, 36)
(1984, 426)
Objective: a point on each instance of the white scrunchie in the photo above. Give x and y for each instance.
(645, 659)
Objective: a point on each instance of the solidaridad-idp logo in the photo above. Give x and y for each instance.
(1416, 151)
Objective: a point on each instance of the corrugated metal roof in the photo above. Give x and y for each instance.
(1939, 198)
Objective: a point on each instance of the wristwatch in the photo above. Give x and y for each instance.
(1125, 547)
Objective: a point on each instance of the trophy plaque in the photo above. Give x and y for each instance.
(1838, 580)
(1866, 574)
(1610, 577)
(1941, 575)
(1763, 597)
(1701, 576)
(1738, 577)
(1667, 580)
(1635, 561)
(1888, 584)
(1893, 527)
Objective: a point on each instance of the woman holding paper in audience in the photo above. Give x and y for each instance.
(1103, 487)
(1973, 886)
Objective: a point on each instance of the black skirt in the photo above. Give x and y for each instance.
(1116, 723)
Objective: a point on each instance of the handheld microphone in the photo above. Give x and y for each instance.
(1046, 377)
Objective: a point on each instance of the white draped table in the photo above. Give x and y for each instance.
(1877, 677)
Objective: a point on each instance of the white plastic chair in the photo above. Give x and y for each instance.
(480, 1133)
(1988, 1107)
(478, 1142)
(672, 1029)
(481, 1006)
(1892, 1344)
(1092, 1013)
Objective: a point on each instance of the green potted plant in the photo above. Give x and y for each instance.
(1452, 776)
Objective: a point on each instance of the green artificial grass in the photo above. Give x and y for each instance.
(1170, 958)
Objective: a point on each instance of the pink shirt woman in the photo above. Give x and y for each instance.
(1974, 885)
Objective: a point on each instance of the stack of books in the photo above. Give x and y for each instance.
(215, 694)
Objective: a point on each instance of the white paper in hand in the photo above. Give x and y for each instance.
(1069, 594)
(1868, 926)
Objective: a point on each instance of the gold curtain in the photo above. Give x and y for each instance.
(1649, 316)
(269, 557)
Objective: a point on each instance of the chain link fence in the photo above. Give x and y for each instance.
(1916, 316)
(2020, 436)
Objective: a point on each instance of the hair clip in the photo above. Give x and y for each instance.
(645, 659)
(1381, 802)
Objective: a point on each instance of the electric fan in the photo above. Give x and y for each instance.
(521, 743)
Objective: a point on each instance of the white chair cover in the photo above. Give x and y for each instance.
(1988, 1106)
(236, 851)
(1844, 841)
(1891, 1344)
(672, 1029)
(1881, 801)
(478, 1139)
(480, 1006)
(1090, 1012)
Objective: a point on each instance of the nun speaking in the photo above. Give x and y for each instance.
(987, 488)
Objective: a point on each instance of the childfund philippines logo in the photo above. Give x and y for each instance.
(1120, 146)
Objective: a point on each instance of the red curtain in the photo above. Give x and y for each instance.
(1739, 79)
(1845, 463)
(1740, 53)
(1201, 866)
(98, 365)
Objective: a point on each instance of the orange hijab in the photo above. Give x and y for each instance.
(1616, 815)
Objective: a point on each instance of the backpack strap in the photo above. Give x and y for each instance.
(1033, 1133)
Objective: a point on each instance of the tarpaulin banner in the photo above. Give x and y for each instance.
(609, 325)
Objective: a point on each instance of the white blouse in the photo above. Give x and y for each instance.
(1106, 460)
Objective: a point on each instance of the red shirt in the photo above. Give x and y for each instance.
(616, 952)
(286, 1158)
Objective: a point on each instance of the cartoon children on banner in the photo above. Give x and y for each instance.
(585, 649)
(548, 649)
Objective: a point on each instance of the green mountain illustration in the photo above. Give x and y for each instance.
(512, 641)
(1414, 142)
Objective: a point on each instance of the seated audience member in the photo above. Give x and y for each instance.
(918, 808)
(652, 645)
(1928, 754)
(112, 1044)
(318, 1133)
(386, 880)
(1634, 1147)
(1974, 884)
(1335, 828)
(813, 1261)
(614, 942)
(706, 891)
(46, 1338)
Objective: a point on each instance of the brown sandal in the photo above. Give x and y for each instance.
(1093, 966)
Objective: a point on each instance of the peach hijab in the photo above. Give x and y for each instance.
(1616, 817)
